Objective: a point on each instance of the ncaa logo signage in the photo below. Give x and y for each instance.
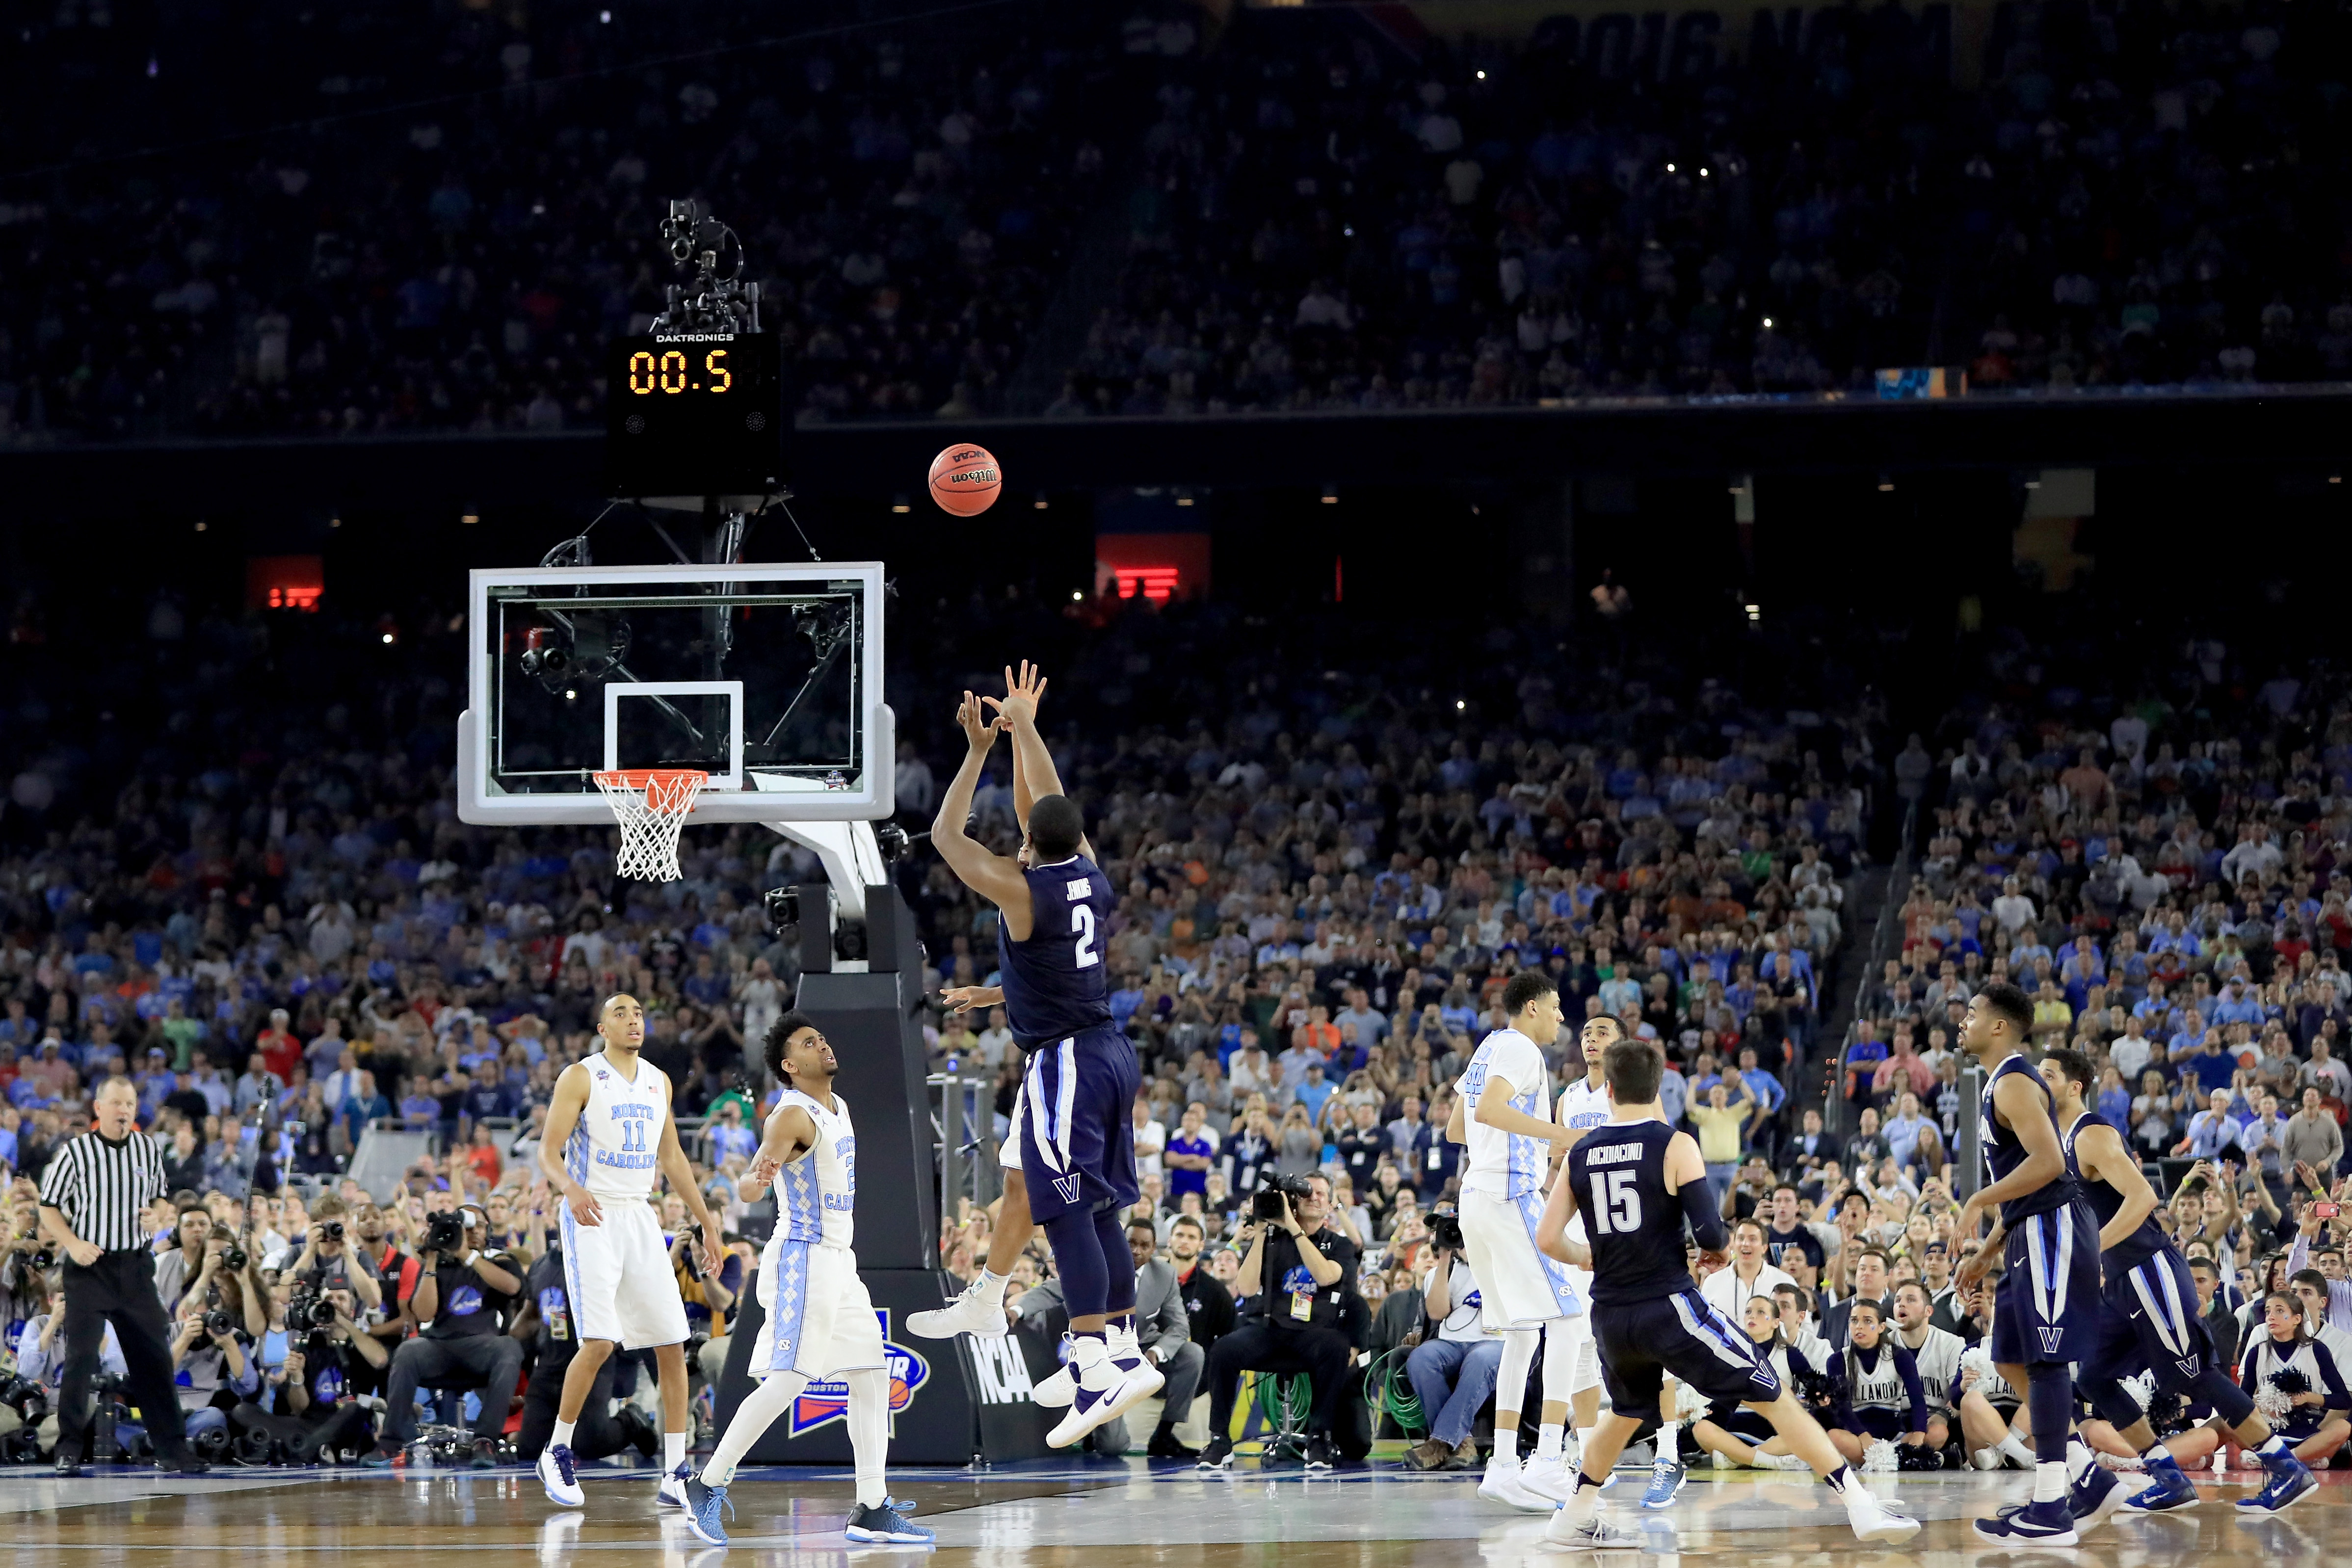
(1001, 1371)
(828, 1401)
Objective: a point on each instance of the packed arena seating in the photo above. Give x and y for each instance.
(445, 232)
(1322, 212)
(2132, 196)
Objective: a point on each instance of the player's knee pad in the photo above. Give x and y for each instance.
(2112, 1401)
(1560, 1360)
(1518, 1359)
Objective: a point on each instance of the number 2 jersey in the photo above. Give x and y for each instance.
(613, 1148)
(1634, 1225)
(1054, 983)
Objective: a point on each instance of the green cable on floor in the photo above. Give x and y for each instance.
(1386, 1388)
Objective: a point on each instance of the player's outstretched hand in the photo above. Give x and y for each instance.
(961, 999)
(979, 730)
(1023, 693)
(1709, 1262)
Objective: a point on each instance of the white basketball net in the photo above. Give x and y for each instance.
(651, 807)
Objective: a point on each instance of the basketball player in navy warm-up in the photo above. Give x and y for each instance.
(1638, 1182)
(2046, 1308)
(1078, 1140)
(2149, 1321)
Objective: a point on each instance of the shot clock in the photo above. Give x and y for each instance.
(694, 414)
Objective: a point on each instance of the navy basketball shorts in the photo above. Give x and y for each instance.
(1640, 1343)
(1880, 1423)
(1078, 1124)
(2149, 1321)
(2046, 1310)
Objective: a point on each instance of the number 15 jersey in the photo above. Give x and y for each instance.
(1054, 983)
(1634, 1225)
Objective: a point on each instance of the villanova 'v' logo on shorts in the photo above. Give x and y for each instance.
(2189, 1365)
(1068, 1187)
(2050, 1338)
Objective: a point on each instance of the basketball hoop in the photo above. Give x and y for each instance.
(651, 806)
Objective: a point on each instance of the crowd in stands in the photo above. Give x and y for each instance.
(228, 879)
(348, 223)
(475, 214)
(1334, 217)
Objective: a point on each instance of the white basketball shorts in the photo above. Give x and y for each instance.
(820, 1321)
(618, 1272)
(1518, 1286)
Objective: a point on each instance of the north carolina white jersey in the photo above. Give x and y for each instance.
(1504, 1163)
(1583, 1105)
(816, 1194)
(613, 1148)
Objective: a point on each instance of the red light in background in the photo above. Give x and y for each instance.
(1152, 582)
(285, 583)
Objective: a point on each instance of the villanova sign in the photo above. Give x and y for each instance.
(828, 1401)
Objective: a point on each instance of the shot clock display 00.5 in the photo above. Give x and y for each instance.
(694, 414)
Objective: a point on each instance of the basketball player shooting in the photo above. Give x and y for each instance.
(979, 1311)
(1078, 1140)
(610, 1132)
(820, 1321)
(1641, 1182)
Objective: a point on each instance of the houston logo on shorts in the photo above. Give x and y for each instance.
(829, 1400)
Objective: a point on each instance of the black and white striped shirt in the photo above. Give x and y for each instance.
(103, 1188)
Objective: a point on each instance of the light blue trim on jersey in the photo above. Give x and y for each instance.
(786, 1318)
(571, 1229)
(1526, 1156)
(575, 1149)
(800, 1214)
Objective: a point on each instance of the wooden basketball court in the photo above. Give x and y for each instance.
(1067, 1513)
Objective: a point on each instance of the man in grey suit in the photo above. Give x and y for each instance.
(1161, 1329)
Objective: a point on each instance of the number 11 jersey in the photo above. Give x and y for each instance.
(1054, 983)
(614, 1149)
(1634, 1225)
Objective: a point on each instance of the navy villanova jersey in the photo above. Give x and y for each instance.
(1634, 1225)
(1054, 983)
(2104, 1200)
(2004, 1151)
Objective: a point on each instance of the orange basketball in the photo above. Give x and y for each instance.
(964, 479)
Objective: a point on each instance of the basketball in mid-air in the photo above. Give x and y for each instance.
(964, 479)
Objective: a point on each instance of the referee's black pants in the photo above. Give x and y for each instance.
(119, 1288)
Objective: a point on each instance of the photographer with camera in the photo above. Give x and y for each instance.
(328, 1261)
(24, 1259)
(1306, 1272)
(462, 1294)
(1452, 1375)
(310, 1403)
(212, 1364)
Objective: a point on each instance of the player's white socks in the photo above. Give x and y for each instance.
(869, 1433)
(2080, 1461)
(773, 1396)
(2049, 1482)
(1669, 1446)
(562, 1437)
(673, 1451)
(1547, 1440)
(1507, 1447)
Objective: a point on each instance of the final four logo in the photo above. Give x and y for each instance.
(829, 1400)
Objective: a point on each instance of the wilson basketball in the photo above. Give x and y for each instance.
(964, 479)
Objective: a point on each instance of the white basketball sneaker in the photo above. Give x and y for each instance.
(1503, 1483)
(1872, 1520)
(1553, 1479)
(978, 1311)
(1099, 1384)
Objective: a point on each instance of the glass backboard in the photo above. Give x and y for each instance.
(769, 678)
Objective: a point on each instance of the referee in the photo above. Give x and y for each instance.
(92, 1196)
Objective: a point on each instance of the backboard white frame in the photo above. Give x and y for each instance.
(731, 690)
(756, 796)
